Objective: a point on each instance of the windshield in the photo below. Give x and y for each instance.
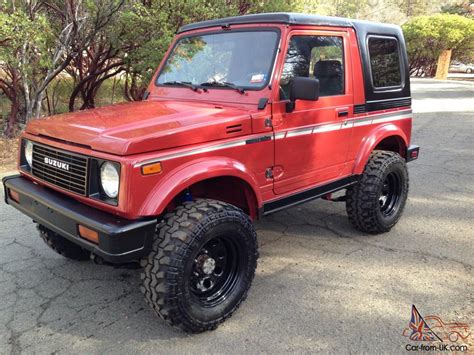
(241, 58)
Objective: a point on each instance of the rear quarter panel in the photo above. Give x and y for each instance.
(366, 134)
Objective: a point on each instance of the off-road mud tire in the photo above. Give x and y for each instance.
(62, 246)
(178, 240)
(362, 199)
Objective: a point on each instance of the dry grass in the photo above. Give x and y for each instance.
(8, 154)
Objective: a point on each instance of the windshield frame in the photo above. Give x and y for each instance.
(223, 31)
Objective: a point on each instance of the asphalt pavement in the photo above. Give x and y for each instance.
(320, 286)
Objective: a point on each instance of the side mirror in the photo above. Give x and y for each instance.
(302, 88)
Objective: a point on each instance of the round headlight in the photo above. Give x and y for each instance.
(29, 152)
(109, 178)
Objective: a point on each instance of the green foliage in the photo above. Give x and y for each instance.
(347, 8)
(428, 36)
(25, 42)
(149, 27)
(38, 39)
(147, 32)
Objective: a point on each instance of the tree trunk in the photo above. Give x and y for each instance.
(132, 90)
(12, 122)
(443, 65)
(37, 104)
(12, 92)
(113, 90)
(72, 99)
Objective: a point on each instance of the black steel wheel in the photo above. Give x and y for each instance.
(376, 202)
(201, 266)
(389, 197)
(216, 270)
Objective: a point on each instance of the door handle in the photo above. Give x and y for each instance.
(343, 113)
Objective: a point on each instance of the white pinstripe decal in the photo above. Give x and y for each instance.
(299, 132)
(280, 135)
(194, 151)
(327, 128)
(362, 123)
(357, 122)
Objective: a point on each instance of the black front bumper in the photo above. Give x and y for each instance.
(120, 240)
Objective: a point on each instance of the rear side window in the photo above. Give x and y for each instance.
(385, 62)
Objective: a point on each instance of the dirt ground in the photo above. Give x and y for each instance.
(8, 154)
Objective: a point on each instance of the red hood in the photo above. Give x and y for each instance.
(138, 127)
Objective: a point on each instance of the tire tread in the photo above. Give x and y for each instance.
(62, 246)
(174, 237)
(361, 198)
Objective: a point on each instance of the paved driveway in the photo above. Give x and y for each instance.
(320, 285)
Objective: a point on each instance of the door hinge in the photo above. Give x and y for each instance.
(269, 173)
(268, 122)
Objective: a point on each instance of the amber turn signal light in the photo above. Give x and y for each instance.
(15, 196)
(88, 234)
(154, 168)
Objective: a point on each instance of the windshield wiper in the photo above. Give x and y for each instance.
(223, 84)
(186, 84)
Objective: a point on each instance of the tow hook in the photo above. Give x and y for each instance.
(100, 261)
(97, 259)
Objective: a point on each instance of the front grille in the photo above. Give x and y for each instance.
(72, 179)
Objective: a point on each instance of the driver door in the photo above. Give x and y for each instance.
(312, 141)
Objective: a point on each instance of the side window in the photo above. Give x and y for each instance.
(385, 62)
(319, 57)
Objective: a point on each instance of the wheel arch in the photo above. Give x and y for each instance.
(387, 137)
(219, 178)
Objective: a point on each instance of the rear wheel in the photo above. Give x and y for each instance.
(63, 246)
(376, 202)
(201, 266)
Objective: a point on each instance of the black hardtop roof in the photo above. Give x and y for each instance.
(375, 98)
(289, 18)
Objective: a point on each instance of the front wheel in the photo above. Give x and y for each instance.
(63, 246)
(201, 266)
(376, 202)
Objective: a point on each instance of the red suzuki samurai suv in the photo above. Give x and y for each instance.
(245, 116)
